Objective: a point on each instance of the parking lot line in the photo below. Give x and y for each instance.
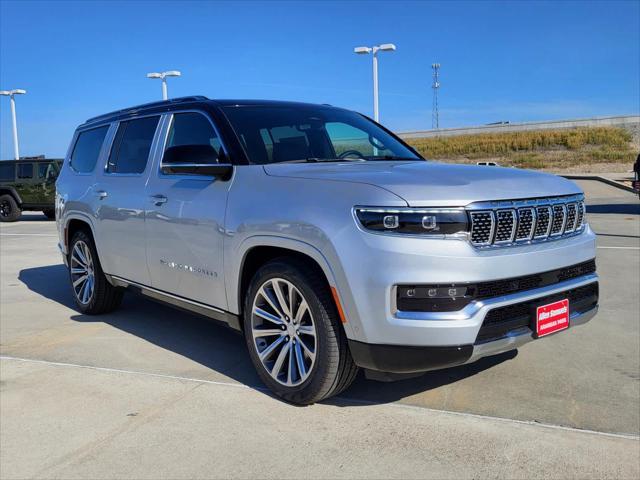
(620, 248)
(27, 235)
(338, 399)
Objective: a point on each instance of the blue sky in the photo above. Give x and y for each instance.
(515, 61)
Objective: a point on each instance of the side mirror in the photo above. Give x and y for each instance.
(194, 160)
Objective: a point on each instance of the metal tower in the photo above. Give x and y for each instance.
(435, 120)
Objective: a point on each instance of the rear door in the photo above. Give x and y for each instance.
(26, 183)
(47, 174)
(119, 190)
(185, 218)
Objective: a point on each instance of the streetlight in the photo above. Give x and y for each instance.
(385, 47)
(163, 76)
(10, 94)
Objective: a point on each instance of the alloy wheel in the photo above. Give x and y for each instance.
(82, 272)
(5, 208)
(284, 332)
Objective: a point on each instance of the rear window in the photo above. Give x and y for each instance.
(132, 145)
(7, 172)
(87, 149)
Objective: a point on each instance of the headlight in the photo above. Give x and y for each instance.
(414, 221)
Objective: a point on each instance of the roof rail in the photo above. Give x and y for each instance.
(172, 101)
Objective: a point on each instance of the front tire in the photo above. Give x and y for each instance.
(293, 333)
(9, 209)
(92, 291)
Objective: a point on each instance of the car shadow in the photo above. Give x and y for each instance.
(223, 350)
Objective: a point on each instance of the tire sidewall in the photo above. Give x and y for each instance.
(322, 322)
(15, 209)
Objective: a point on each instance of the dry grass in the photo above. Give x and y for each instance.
(538, 149)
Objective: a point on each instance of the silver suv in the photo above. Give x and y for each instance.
(322, 237)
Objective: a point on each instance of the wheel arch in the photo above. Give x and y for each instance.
(75, 223)
(13, 192)
(256, 251)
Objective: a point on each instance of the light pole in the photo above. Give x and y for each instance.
(10, 94)
(385, 47)
(163, 76)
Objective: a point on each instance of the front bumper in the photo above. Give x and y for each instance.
(412, 359)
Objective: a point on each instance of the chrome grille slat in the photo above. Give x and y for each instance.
(482, 227)
(543, 225)
(558, 221)
(572, 216)
(505, 226)
(517, 222)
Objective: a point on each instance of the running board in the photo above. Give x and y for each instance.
(232, 320)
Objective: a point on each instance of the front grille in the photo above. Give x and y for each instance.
(431, 298)
(500, 321)
(525, 220)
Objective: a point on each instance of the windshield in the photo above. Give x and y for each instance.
(274, 134)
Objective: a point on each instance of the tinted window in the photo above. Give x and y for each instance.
(25, 170)
(87, 149)
(292, 133)
(47, 170)
(7, 172)
(131, 146)
(193, 129)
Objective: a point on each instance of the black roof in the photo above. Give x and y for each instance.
(164, 104)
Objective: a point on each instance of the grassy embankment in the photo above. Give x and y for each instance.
(585, 149)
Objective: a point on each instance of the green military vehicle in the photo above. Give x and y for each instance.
(28, 184)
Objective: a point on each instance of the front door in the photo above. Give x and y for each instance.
(185, 219)
(119, 199)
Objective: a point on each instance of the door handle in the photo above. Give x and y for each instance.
(158, 200)
(101, 194)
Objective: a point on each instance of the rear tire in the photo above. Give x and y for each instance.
(9, 209)
(50, 213)
(91, 290)
(295, 339)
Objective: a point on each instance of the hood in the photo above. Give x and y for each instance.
(423, 184)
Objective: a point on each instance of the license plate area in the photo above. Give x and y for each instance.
(551, 317)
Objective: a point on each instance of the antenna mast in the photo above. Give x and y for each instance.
(435, 120)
